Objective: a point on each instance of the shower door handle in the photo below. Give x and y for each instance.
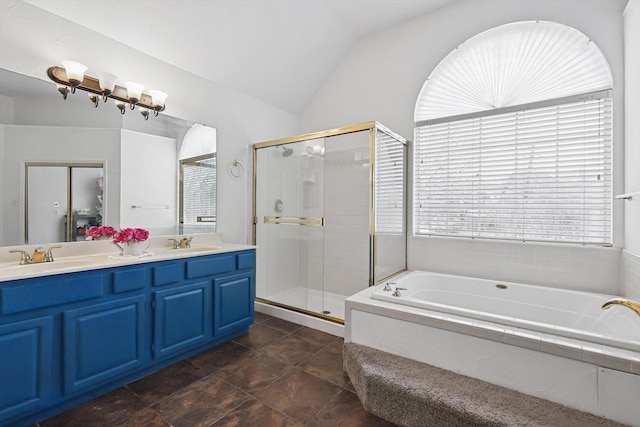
(295, 220)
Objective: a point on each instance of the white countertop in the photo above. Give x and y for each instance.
(108, 257)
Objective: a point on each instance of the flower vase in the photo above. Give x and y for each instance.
(133, 248)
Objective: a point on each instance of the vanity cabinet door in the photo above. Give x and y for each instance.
(233, 302)
(182, 318)
(103, 341)
(25, 366)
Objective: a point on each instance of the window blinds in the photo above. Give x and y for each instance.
(389, 185)
(531, 173)
(199, 194)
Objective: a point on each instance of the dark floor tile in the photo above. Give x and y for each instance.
(163, 383)
(260, 317)
(315, 335)
(107, 410)
(283, 325)
(201, 403)
(338, 343)
(346, 410)
(145, 418)
(350, 387)
(260, 336)
(292, 349)
(253, 371)
(218, 357)
(255, 413)
(299, 395)
(327, 364)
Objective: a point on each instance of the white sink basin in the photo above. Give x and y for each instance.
(198, 250)
(42, 267)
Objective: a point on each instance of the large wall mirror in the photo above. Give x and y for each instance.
(65, 165)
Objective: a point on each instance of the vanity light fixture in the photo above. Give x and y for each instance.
(134, 90)
(72, 76)
(107, 84)
(75, 73)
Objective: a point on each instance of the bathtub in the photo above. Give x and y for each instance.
(554, 344)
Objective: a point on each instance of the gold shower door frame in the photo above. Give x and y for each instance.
(371, 127)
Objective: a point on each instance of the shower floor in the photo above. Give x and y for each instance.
(311, 300)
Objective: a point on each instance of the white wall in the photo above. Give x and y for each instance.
(380, 79)
(631, 253)
(149, 168)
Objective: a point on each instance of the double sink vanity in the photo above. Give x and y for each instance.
(91, 320)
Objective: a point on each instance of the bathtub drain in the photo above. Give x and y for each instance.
(326, 312)
(501, 286)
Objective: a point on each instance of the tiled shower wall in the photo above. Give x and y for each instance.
(346, 233)
(630, 275)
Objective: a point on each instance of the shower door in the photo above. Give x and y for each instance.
(290, 224)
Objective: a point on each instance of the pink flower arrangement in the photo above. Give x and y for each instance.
(96, 232)
(127, 234)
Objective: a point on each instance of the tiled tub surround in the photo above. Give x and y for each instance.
(630, 275)
(80, 326)
(586, 374)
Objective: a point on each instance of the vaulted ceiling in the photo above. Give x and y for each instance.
(278, 51)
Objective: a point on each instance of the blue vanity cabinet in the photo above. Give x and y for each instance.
(182, 318)
(66, 338)
(102, 341)
(233, 306)
(26, 352)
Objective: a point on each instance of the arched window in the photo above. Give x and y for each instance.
(512, 138)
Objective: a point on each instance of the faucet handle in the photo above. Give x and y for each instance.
(387, 286)
(25, 258)
(396, 292)
(48, 257)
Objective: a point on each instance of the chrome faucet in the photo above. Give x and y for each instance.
(387, 286)
(39, 255)
(633, 305)
(396, 292)
(185, 242)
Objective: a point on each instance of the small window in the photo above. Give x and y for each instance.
(513, 134)
(198, 180)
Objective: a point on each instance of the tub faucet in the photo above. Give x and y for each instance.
(387, 286)
(185, 242)
(396, 292)
(633, 305)
(39, 255)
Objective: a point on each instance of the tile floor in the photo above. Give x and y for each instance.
(279, 374)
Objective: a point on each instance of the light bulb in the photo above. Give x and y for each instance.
(134, 92)
(107, 83)
(75, 73)
(158, 98)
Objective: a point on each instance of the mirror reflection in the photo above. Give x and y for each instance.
(66, 166)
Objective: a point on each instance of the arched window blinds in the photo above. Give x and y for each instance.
(513, 138)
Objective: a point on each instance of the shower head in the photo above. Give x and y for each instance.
(286, 152)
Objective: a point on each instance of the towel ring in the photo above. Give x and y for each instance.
(236, 168)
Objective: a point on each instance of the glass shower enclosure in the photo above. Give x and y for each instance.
(329, 214)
